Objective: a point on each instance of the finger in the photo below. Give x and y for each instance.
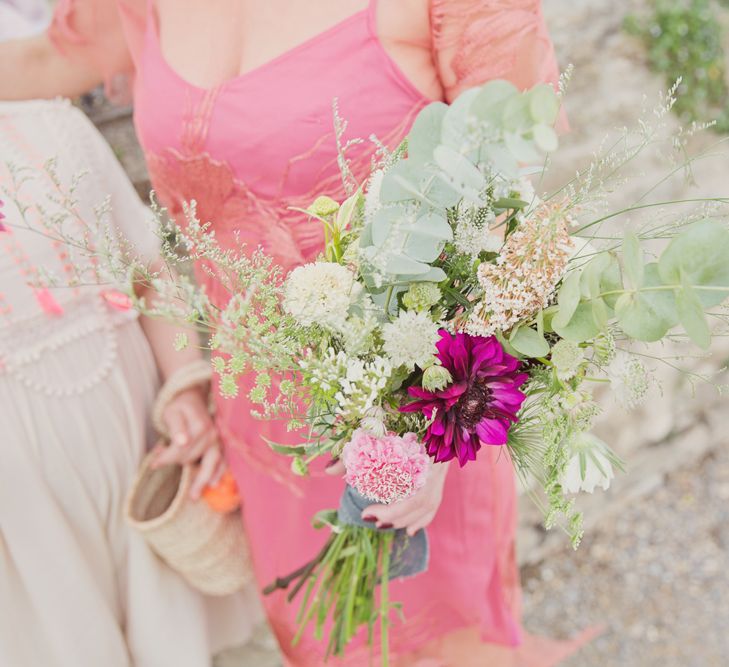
(176, 450)
(200, 446)
(335, 467)
(392, 513)
(208, 466)
(218, 474)
(178, 428)
(420, 524)
(198, 424)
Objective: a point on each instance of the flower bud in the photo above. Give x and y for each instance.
(421, 296)
(323, 207)
(436, 378)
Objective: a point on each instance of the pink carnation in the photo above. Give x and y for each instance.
(385, 468)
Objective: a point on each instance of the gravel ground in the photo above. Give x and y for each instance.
(656, 576)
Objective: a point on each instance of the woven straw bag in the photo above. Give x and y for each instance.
(206, 547)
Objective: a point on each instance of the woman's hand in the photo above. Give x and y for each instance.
(413, 513)
(193, 437)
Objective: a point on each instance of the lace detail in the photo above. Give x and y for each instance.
(29, 346)
(480, 40)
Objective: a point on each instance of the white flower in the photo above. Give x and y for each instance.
(567, 356)
(320, 293)
(374, 421)
(361, 386)
(410, 340)
(473, 237)
(372, 196)
(629, 380)
(589, 467)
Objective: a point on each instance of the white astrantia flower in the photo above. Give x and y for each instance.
(589, 467)
(410, 340)
(629, 380)
(320, 293)
(567, 357)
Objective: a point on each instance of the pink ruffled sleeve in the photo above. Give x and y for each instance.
(104, 34)
(480, 40)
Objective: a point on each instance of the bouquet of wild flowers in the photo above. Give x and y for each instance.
(452, 309)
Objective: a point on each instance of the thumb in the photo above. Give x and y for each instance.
(335, 467)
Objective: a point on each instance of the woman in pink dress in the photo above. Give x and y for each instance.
(233, 107)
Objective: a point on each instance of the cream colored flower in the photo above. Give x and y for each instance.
(320, 293)
(589, 467)
(410, 340)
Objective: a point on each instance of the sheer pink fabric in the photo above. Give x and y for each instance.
(250, 149)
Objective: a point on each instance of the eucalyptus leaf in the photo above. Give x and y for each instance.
(600, 314)
(381, 226)
(568, 300)
(404, 265)
(458, 168)
(434, 275)
(488, 104)
(545, 138)
(400, 183)
(456, 121)
(522, 149)
(425, 133)
(611, 279)
(502, 160)
(691, 315)
(529, 343)
(633, 260)
(516, 114)
(544, 104)
(581, 326)
(701, 255)
(637, 318)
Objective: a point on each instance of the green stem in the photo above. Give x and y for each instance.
(660, 288)
(722, 200)
(385, 599)
(389, 297)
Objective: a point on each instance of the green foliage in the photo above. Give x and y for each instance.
(684, 39)
(453, 153)
(691, 275)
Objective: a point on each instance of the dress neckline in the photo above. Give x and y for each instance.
(368, 13)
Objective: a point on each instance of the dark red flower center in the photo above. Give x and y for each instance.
(473, 404)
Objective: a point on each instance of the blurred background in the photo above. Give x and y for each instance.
(653, 568)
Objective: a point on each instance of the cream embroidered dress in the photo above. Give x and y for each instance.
(77, 587)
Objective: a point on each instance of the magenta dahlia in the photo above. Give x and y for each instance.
(480, 404)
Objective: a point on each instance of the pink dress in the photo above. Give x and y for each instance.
(247, 151)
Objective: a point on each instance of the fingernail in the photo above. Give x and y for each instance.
(369, 518)
(331, 463)
(385, 526)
